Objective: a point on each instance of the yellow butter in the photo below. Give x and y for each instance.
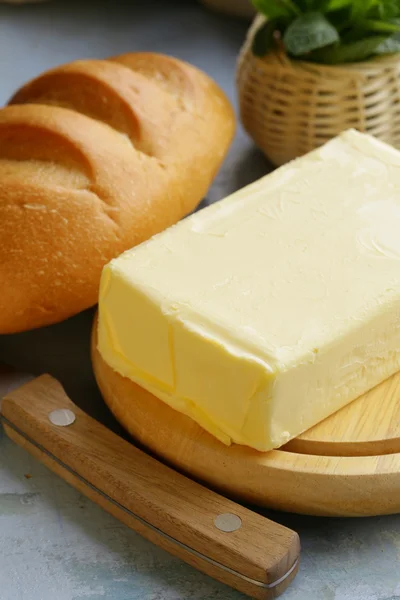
(263, 314)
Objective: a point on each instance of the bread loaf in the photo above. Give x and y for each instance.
(97, 156)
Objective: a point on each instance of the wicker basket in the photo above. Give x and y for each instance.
(290, 107)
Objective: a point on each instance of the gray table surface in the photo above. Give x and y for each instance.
(54, 543)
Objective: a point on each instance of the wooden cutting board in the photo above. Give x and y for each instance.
(348, 465)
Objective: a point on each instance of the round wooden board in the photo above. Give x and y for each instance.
(314, 484)
(369, 426)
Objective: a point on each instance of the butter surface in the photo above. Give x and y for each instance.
(263, 314)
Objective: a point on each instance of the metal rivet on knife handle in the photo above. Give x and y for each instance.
(228, 522)
(62, 417)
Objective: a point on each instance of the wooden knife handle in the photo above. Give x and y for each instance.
(260, 558)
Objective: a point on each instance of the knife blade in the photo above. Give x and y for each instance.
(215, 535)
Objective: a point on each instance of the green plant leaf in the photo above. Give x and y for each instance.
(340, 19)
(330, 31)
(380, 26)
(314, 5)
(390, 45)
(338, 5)
(276, 8)
(388, 9)
(309, 32)
(352, 52)
(264, 38)
(361, 8)
(305, 5)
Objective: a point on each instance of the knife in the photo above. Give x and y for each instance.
(215, 535)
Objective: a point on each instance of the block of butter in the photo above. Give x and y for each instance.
(263, 314)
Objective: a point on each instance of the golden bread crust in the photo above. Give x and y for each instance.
(96, 156)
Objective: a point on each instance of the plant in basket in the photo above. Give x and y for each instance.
(311, 68)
